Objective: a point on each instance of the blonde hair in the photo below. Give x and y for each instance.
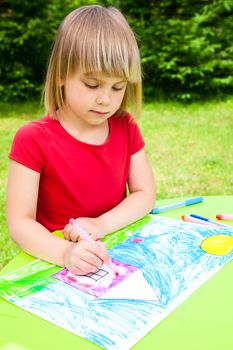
(94, 39)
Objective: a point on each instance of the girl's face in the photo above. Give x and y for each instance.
(93, 98)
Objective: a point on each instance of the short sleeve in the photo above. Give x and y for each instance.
(27, 147)
(136, 139)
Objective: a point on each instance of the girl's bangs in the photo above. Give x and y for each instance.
(104, 56)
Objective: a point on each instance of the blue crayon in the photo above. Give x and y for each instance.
(177, 205)
(206, 219)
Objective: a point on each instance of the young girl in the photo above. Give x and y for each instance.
(85, 159)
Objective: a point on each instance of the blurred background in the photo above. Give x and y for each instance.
(186, 45)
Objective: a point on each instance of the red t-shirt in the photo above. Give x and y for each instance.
(76, 178)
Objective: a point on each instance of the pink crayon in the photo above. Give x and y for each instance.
(85, 236)
(78, 228)
(194, 220)
(224, 216)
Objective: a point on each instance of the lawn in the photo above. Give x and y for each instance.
(190, 148)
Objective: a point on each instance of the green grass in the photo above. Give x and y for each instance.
(190, 148)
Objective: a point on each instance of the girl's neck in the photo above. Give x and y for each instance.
(91, 134)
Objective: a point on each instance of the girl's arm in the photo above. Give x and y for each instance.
(138, 203)
(35, 239)
(141, 198)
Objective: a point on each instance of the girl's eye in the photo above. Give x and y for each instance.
(91, 86)
(96, 86)
(118, 89)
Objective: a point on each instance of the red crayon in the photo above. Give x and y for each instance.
(224, 216)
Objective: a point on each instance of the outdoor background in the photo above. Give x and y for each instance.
(187, 118)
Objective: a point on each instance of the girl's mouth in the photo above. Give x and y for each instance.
(99, 113)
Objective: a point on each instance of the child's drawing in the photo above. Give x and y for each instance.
(99, 282)
(165, 253)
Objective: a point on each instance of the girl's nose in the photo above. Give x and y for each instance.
(103, 99)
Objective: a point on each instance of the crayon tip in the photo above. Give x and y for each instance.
(182, 217)
(219, 217)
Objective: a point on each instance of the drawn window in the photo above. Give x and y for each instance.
(96, 276)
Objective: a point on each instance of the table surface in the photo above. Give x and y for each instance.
(204, 321)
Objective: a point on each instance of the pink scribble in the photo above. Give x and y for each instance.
(100, 282)
(136, 240)
(72, 279)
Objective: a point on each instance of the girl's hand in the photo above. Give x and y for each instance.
(85, 257)
(91, 225)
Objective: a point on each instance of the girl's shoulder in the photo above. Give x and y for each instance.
(124, 115)
(123, 119)
(36, 128)
(31, 144)
(125, 127)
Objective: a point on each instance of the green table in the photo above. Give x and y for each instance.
(204, 321)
